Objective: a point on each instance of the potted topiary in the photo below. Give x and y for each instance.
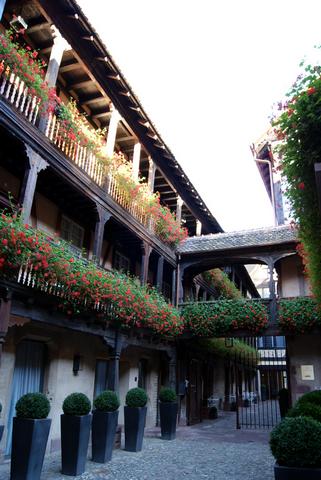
(104, 424)
(29, 436)
(75, 430)
(135, 416)
(296, 445)
(1, 426)
(168, 413)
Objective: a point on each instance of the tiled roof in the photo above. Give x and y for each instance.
(240, 239)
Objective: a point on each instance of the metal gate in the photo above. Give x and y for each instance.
(259, 373)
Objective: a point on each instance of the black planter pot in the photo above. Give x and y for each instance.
(75, 432)
(1, 431)
(168, 419)
(134, 428)
(296, 473)
(103, 435)
(29, 441)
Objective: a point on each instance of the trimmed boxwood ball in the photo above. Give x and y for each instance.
(107, 401)
(76, 404)
(311, 397)
(33, 405)
(136, 397)
(306, 409)
(296, 442)
(167, 395)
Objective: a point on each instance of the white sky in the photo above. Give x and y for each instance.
(207, 73)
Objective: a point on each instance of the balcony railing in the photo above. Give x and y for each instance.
(14, 90)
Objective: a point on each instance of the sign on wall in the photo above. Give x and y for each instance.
(307, 372)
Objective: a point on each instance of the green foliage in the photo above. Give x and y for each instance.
(311, 397)
(305, 409)
(136, 397)
(216, 319)
(107, 401)
(221, 282)
(299, 128)
(76, 404)
(217, 346)
(167, 395)
(83, 286)
(33, 405)
(296, 442)
(298, 315)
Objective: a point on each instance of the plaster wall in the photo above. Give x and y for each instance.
(292, 282)
(304, 351)
(59, 378)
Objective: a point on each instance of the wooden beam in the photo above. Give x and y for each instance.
(91, 99)
(69, 67)
(101, 114)
(84, 83)
(35, 27)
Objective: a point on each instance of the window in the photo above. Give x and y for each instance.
(121, 262)
(142, 373)
(271, 342)
(101, 377)
(72, 232)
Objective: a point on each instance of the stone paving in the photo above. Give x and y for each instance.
(211, 450)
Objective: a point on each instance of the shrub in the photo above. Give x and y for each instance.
(33, 405)
(76, 404)
(136, 397)
(311, 397)
(305, 409)
(167, 395)
(107, 401)
(296, 442)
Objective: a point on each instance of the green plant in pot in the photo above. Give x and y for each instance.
(104, 424)
(29, 436)
(296, 445)
(168, 407)
(1, 426)
(135, 416)
(75, 430)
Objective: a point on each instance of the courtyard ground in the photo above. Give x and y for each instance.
(212, 450)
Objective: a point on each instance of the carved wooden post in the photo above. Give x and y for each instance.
(160, 271)
(179, 206)
(172, 375)
(174, 299)
(112, 131)
(116, 343)
(136, 160)
(146, 251)
(37, 163)
(5, 308)
(272, 306)
(151, 174)
(56, 54)
(103, 217)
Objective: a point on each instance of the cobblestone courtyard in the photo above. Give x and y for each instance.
(212, 450)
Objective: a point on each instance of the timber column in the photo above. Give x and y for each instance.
(146, 251)
(36, 164)
(116, 343)
(103, 217)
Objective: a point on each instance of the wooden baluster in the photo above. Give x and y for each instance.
(28, 104)
(14, 89)
(20, 92)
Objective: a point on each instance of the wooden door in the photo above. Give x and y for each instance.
(194, 392)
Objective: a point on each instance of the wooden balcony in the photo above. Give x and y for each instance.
(26, 106)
